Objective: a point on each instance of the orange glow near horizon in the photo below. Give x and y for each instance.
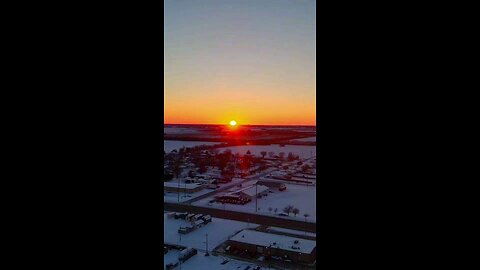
(244, 108)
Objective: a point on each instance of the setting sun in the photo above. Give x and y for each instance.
(233, 123)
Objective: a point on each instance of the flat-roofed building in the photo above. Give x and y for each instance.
(182, 188)
(255, 242)
(251, 191)
(272, 184)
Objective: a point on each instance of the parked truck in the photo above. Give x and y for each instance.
(186, 254)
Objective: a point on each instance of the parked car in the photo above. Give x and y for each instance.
(283, 215)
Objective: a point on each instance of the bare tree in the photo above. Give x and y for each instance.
(288, 209)
(263, 153)
(270, 209)
(295, 211)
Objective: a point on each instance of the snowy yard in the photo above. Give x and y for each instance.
(300, 196)
(304, 151)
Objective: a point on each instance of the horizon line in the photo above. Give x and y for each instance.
(305, 125)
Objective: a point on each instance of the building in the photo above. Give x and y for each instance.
(270, 245)
(233, 199)
(251, 191)
(272, 184)
(183, 188)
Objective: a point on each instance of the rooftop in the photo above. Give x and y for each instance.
(182, 185)
(250, 190)
(281, 241)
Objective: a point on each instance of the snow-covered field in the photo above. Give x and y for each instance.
(304, 151)
(219, 231)
(169, 146)
(300, 196)
(180, 130)
(309, 139)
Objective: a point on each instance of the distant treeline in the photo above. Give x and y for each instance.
(233, 141)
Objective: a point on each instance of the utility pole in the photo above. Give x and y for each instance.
(206, 243)
(305, 225)
(178, 190)
(256, 197)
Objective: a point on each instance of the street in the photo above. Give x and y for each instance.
(245, 217)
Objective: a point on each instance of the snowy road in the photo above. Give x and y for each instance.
(243, 216)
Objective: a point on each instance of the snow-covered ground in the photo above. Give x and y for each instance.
(202, 262)
(173, 196)
(309, 139)
(219, 231)
(304, 151)
(180, 130)
(169, 146)
(300, 196)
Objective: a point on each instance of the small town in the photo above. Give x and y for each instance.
(239, 205)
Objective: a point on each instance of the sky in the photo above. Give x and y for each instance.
(253, 61)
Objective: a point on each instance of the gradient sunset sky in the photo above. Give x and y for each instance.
(253, 61)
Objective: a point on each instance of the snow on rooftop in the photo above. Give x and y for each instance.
(281, 241)
(250, 190)
(278, 229)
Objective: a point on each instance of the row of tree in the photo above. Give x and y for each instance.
(289, 209)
